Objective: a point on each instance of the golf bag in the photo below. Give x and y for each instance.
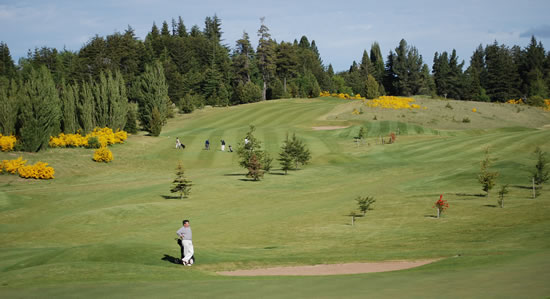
(191, 260)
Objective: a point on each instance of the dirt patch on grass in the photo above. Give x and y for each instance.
(325, 128)
(331, 269)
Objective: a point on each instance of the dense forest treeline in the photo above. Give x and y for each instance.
(125, 83)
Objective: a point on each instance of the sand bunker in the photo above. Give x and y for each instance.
(331, 269)
(324, 128)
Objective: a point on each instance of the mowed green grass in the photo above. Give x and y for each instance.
(103, 229)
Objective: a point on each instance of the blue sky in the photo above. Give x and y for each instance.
(341, 29)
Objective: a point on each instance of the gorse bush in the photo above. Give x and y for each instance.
(97, 138)
(11, 166)
(343, 96)
(103, 154)
(391, 102)
(40, 170)
(7, 143)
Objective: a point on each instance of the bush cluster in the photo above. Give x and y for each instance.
(391, 102)
(105, 136)
(343, 96)
(40, 170)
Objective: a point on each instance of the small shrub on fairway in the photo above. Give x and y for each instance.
(364, 203)
(40, 170)
(181, 184)
(441, 205)
(487, 178)
(103, 154)
(501, 193)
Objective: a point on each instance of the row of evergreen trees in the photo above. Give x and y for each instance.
(118, 79)
(34, 107)
(496, 73)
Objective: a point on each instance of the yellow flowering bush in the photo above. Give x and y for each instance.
(103, 154)
(12, 166)
(391, 102)
(40, 170)
(343, 96)
(120, 136)
(106, 137)
(515, 102)
(546, 105)
(474, 110)
(7, 143)
(355, 112)
(68, 140)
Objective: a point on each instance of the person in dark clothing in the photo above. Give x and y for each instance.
(207, 144)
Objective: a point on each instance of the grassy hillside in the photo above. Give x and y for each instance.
(103, 229)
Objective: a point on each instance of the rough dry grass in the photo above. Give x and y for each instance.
(101, 230)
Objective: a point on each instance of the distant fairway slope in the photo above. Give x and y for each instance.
(107, 230)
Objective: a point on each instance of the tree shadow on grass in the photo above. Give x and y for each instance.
(171, 259)
(170, 197)
(431, 216)
(249, 180)
(234, 174)
(522, 187)
(490, 206)
(470, 194)
(277, 173)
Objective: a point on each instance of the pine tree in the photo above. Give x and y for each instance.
(243, 57)
(427, 82)
(362, 135)
(181, 184)
(181, 31)
(252, 146)
(487, 178)
(152, 92)
(69, 99)
(165, 31)
(286, 160)
(86, 108)
(540, 173)
(299, 151)
(502, 77)
(131, 119)
(7, 66)
(254, 168)
(40, 111)
(389, 74)
(286, 63)
(371, 88)
(365, 68)
(156, 122)
(266, 56)
(9, 108)
(101, 101)
(118, 101)
(377, 62)
(400, 67)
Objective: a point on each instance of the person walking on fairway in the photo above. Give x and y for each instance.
(186, 241)
(178, 143)
(207, 144)
(223, 145)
